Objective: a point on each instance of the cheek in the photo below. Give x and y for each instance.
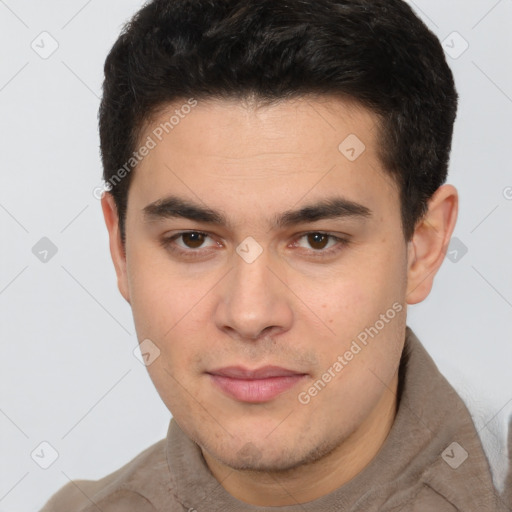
(160, 296)
(169, 309)
(364, 299)
(359, 297)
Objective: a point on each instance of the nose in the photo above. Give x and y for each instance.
(254, 302)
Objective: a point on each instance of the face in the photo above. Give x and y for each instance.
(266, 263)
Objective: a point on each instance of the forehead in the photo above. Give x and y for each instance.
(242, 128)
(229, 151)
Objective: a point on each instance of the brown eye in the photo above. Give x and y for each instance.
(318, 241)
(318, 244)
(190, 245)
(193, 240)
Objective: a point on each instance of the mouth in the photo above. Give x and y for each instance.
(255, 386)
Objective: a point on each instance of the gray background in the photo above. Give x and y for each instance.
(68, 373)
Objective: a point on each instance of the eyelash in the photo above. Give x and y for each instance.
(168, 244)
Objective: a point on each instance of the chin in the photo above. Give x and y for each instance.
(250, 458)
(262, 456)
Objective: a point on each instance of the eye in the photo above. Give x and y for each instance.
(322, 243)
(191, 241)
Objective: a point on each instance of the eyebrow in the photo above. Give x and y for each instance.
(331, 208)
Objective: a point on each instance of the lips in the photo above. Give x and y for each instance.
(255, 386)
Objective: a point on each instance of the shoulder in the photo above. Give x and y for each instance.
(79, 496)
(126, 489)
(429, 499)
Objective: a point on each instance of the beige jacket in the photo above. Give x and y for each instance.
(431, 461)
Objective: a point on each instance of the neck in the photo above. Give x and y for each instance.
(312, 481)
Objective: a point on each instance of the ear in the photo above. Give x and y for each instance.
(430, 241)
(117, 253)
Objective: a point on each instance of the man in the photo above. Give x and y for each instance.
(276, 199)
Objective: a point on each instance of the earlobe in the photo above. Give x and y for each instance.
(427, 249)
(116, 246)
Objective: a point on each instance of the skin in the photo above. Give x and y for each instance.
(293, 306)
